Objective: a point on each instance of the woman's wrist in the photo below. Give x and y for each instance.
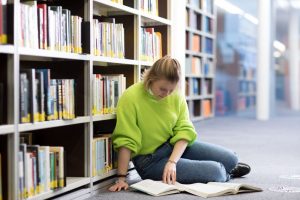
(172, 161)
(121, 179)
(121, 175)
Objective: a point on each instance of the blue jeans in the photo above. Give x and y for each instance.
(201, 162)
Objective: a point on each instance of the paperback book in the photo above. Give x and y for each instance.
(211, 189)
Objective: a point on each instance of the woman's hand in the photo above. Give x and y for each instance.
(169, 175)
(119, 185)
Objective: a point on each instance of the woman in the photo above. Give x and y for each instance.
(153, 128)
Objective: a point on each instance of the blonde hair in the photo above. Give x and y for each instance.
(164, 68)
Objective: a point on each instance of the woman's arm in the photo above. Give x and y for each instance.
(123, 162)
(169, 175)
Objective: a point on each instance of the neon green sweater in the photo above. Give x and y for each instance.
(144, 123)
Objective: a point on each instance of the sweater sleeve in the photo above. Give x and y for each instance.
(127, 133)
(184, 128)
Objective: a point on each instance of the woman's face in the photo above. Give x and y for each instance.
(162, 88)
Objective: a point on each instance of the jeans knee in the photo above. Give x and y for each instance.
(218, 173)
(231, 161)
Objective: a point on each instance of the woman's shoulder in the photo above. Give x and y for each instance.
(132, 92)
(134, 89)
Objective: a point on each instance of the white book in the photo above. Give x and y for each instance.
(211, 189)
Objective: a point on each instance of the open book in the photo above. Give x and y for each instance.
(211, 189)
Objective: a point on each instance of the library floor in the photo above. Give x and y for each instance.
(271, 148)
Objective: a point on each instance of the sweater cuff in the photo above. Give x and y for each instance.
(188, 136)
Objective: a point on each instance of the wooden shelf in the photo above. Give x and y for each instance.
(52, 124)
(197, 10)
(72, 183)
(146, 63)
(194, 97)
(152, 20)
(101, 60)
(111, 8)
(193, 76)
(7, 49)
(42, 53)
(202, 33)
(6, 129)
(104, 117)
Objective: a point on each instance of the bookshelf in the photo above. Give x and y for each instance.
(200, 58)
(71, 63)
(236, 85)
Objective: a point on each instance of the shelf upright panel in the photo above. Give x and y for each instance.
(13, 106)
(88, 76)
(137, 38)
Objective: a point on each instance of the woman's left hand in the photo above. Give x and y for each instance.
(169, 175)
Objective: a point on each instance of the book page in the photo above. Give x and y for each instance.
(238, 187)
(155, 188)
(206, 190)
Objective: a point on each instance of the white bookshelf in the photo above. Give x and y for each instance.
(80, 67)
(200, 89)
(6, 49)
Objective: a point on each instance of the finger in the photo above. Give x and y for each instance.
(169, 177)
(112, 188)
(119, 188)
(165, 177)
(174, 177)
(126, 187)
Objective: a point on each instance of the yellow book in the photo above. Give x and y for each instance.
(3, 38)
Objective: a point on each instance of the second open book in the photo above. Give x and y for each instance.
(211, 189)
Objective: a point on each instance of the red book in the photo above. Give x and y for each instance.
(44, 25)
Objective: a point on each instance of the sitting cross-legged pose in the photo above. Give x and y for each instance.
(154, 130)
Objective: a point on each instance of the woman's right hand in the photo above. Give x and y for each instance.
(119, 185)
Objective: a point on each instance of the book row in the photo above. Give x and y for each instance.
(196, 66)
(41, 169)
(118, 1)
(194, 21)
(103, 157)
(196, 44)
(150, 6)
(49, 27)
(247, 87)
(195, 87)
(200, 108)
(43, 98)
(107, 91)
(3, 21)
(245, 102)
(205, 5)
(108, 38)
(151, 42)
